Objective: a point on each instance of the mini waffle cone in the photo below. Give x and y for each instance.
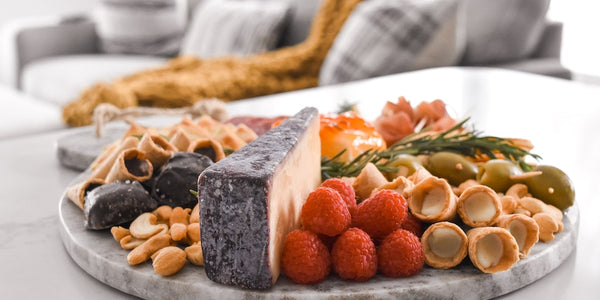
(418, 193)
(471, 191)
(439, 262)
(510, 253)
(104, 168)
(532, 227)
(119, 169)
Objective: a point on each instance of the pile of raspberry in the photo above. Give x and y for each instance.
(356, 241)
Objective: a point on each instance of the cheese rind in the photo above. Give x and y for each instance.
(250, 200)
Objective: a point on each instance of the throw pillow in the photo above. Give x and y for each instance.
(241, 28)
(383, 37)
(147, 27)
(501, 31)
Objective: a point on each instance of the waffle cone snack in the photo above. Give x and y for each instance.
(104, 168)
(132, 164)
(76, 193)
(432, 200)
(479, 206)
(492, 249)
(523, 228)
(445, 245)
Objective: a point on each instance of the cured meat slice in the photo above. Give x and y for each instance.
(250, 200)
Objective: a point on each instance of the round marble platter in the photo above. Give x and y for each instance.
(102, 257)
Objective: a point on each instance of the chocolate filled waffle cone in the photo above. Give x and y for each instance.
(180, 140)
(492, 249)
(209, 147)
(108, 150)
(103, 168)
(432, 200)
(445, 245)
(132, 164)
(76, 193)
(479, 206)
(523, 228)
(156, 148)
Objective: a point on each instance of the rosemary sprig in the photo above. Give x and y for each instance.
(455, 139)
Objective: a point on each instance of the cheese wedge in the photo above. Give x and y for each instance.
(252, 199)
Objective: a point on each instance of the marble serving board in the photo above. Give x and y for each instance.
(101, 256)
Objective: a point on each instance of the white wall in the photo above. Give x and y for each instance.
(581, 45)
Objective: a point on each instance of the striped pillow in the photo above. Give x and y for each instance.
(220, 28)
(384, 37)
(148, 27)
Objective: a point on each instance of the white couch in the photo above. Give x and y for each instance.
(54, 59)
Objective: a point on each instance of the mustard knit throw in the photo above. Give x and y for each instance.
(185, 79)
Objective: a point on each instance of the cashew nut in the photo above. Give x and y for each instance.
(522, 211)
(517, 191)
(163, 214)
(128, 242)
(194, 254)
(195, 215)
(548, 226)
(141, 253)
(465, 185)
(168, 260)
(556, 214)
(180, 215)
(509, 204)
(178, 231)
(144, 226)
(119, 232)
(193, 232)
(533, 205)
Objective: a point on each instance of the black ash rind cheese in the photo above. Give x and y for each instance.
(250, 200)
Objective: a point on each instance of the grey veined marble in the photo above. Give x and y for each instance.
(102, 257)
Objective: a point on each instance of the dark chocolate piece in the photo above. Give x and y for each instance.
(178, 176)
(116, 203)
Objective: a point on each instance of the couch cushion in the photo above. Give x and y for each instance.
(220, 28)
(61, 79)
(22, 114)
(503, 31)
(302, 13)
(144, 27)
(383, 37)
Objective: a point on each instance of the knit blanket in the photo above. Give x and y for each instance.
(185, 80)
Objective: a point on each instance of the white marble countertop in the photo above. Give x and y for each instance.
(561, 118)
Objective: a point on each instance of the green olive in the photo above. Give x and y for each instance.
(406, 165)
(553, 186)
(496, 174)
(453, 167)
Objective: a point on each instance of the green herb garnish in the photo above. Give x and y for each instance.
(466, 142)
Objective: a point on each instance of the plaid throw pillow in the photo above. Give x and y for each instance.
(383, 37)
(241, 28)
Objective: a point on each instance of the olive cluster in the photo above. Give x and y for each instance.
(547, 183)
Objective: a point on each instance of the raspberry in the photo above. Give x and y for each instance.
(328, 241)
(354, 256)
(325, 212)
(345, 190)
(400, 254)
(414, 225)
(381, 214)
(305, 258)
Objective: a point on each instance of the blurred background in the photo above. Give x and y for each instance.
(580, 51)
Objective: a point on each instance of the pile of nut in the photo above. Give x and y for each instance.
(160, 236)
